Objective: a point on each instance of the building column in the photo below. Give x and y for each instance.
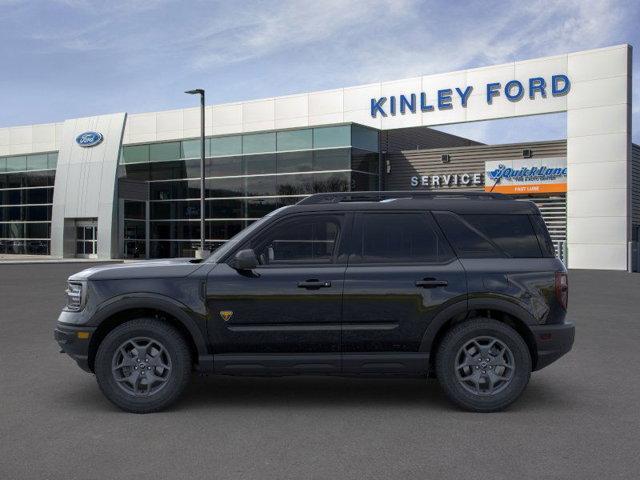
(599, 158)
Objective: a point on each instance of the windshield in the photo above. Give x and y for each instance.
(240, 237)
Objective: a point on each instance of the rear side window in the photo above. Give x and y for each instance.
(467, 241)
(491, 236)
(544, 239)
(514, 234)
(397, 238)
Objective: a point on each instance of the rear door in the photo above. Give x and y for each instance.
(401, 273)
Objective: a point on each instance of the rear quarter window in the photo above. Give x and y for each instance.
(544, 239)
(491, 236)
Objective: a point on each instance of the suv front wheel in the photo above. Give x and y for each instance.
(483, 365)
(143, 365)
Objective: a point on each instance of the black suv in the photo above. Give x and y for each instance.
(465, 287)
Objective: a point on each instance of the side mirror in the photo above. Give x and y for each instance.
(245, 260)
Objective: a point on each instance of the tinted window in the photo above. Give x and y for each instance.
(490, 236)
(224, 166)
(309, 239)
(135, 154)
(259, 143)
(334, 159)
(222, 146)
(295, 140)
(399, 237)
(326, 137)
(514, 234)
(466, 241)
(295, 161)
(544, 239)
(159, 152)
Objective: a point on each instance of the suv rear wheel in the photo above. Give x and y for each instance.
(143, 365)
(483, 365)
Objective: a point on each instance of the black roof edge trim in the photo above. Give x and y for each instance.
(377, 196)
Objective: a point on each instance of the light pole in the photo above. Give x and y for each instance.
(201, 253)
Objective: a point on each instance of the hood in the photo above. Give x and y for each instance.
(167, 268)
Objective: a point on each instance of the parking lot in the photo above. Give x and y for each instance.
(579, 418)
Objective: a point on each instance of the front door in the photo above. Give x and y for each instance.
(401, 273)
(87, 239)
(285, 315)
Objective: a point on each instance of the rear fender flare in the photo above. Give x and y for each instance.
(464, 307)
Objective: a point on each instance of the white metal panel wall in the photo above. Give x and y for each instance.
(599, 158)
(28, 139)
(85, 185)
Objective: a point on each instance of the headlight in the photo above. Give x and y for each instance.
(75, 296)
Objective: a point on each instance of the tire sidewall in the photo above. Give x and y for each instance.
(456, 339)
(176, 349)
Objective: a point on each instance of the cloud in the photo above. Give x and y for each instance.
(291, 25)
(261, 48)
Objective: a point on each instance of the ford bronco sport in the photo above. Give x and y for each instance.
(465, 287)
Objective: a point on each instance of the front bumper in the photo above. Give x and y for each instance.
(552, 342)
(74, 341)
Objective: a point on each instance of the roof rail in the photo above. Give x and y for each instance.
(377, 196)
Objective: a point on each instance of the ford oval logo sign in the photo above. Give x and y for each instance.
(89, 139)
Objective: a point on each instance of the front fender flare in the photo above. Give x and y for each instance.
(155, 301)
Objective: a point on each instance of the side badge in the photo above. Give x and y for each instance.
(226, 315)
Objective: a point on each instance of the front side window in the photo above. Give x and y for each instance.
(306, 239)
(398, 238)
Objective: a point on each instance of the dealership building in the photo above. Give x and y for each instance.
(127, 185)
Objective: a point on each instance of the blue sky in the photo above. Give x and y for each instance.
(72, 58)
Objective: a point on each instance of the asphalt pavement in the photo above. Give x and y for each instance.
(578, 419)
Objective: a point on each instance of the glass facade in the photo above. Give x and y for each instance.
(26, 197)
(247, 176)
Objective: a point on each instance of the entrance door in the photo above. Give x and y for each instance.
(285, 315)
(87, 239)
(401, 274)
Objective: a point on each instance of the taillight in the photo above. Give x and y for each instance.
(562, 289)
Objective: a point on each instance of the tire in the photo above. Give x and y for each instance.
(143, 365)
(473, 369)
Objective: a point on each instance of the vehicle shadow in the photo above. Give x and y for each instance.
(308, 392)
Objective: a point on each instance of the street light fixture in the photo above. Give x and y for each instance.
(201, 253)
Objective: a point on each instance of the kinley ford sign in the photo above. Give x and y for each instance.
(445, 99)
(520, 176)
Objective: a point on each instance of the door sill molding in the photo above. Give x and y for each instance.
(366, 363)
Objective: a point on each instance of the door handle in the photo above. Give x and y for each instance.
(431, 283)
(313, 284)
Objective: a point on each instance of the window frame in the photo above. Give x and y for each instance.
(356, 260)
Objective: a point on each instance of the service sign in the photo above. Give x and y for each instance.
(526, 175)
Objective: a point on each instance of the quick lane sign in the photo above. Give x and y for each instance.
(446, 99)
(522, 176)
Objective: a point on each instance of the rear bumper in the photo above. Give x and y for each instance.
(552, 342)
(74, 345)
